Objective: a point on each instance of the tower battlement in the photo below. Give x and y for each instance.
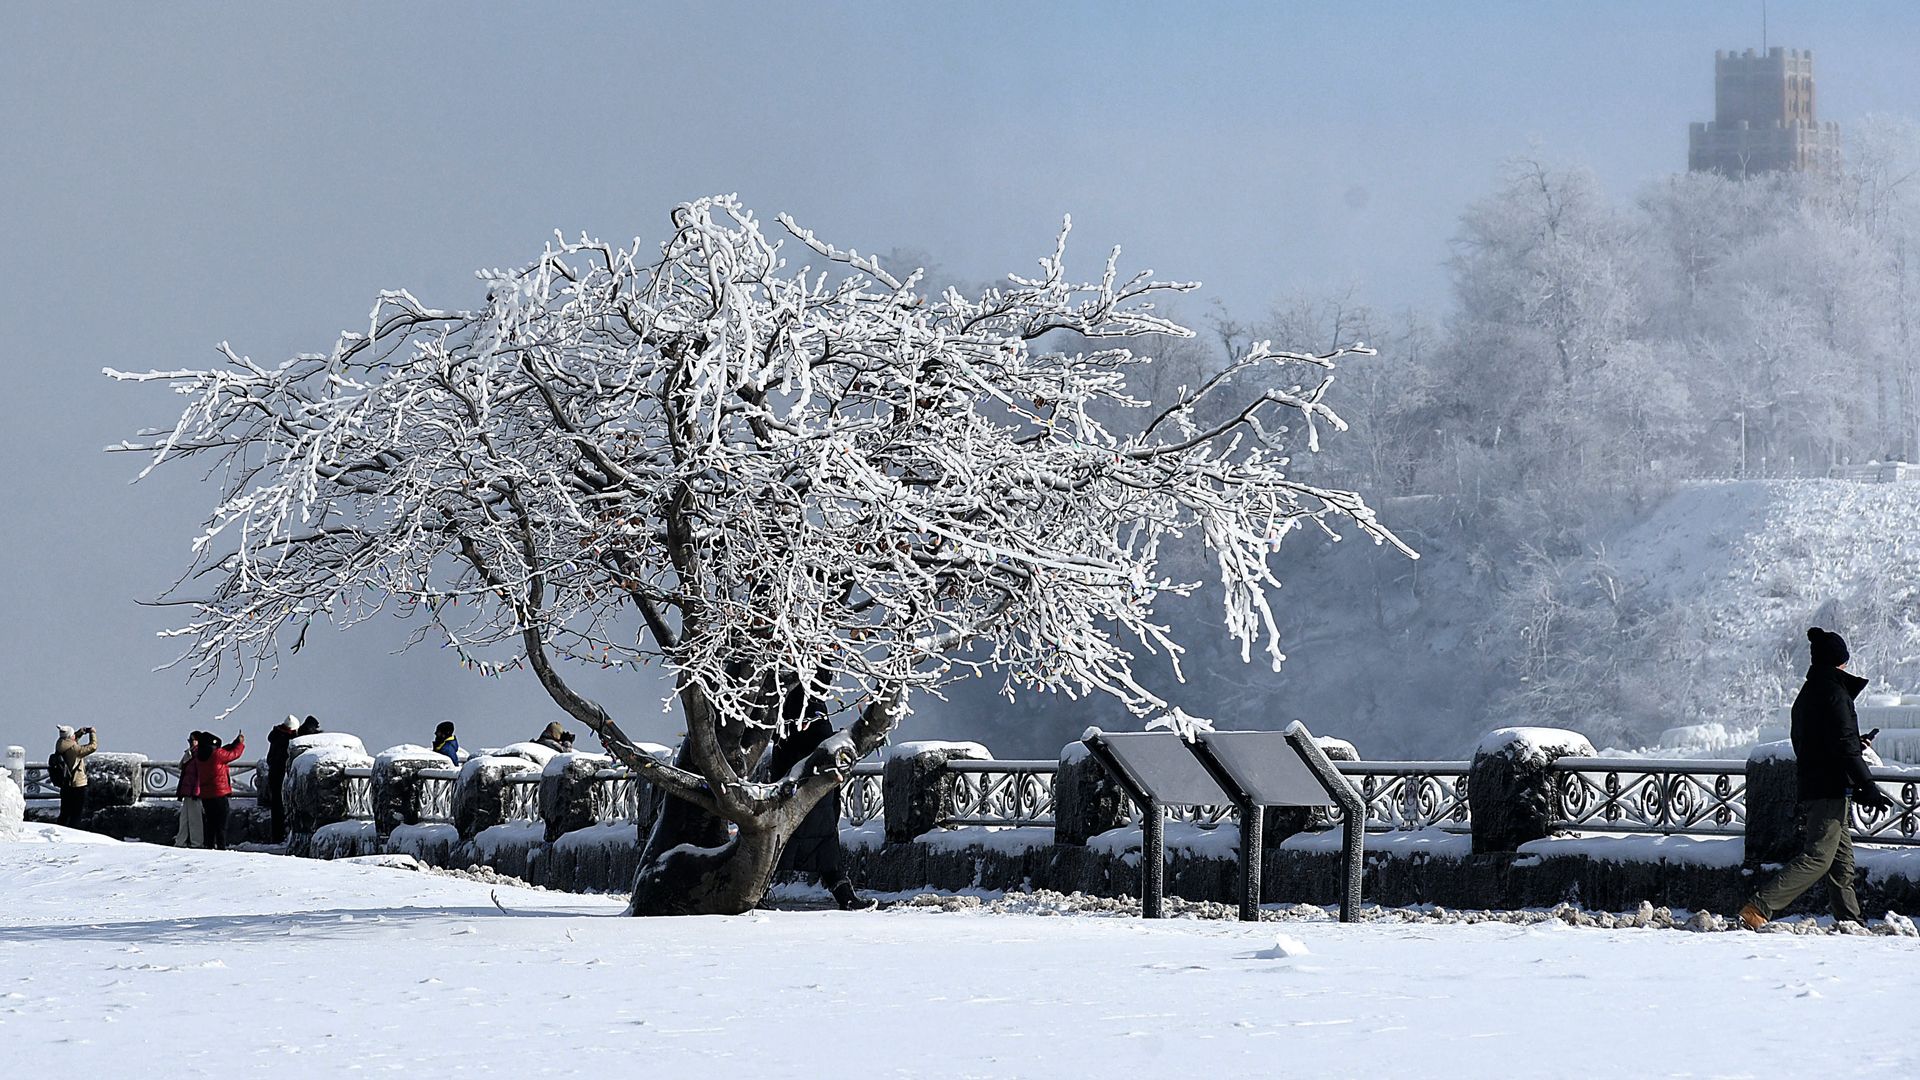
(1763, 117)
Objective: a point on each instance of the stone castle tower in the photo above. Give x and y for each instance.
(1762, 117)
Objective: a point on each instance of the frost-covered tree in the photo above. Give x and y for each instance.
(796, 490)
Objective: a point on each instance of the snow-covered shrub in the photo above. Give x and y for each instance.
(13, 807)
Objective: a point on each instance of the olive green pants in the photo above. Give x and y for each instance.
(1826, 852)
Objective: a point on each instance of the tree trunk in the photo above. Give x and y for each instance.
(692, 866)
(727, 880)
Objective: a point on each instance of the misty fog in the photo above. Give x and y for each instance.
(1572, 330)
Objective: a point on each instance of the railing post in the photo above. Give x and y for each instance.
(479, 796)
(566, 792)
(114, 779)
(396, 785)
(1510, 785)
(1773, 794)
(1087, 801)
(17, 765)
(917, 788)
(317, 784)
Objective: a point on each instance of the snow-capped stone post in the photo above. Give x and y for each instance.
(479, 796)
(115, 779)
(918, 789)
(1773, 792)
(1510, 785)
(317, 791)
(396, 785)
(1087, 800)
(566, 792)
(17, 766)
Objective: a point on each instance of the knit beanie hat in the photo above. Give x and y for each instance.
(1829, 649)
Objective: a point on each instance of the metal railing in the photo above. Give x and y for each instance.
(863, 794)
(436, 795)
(1405, 795)
(992, 792)
(1899, 825)
(1647, 795)
(359, 792)
(158, 780)
(617, 796)
(520, 796)
(161, 779)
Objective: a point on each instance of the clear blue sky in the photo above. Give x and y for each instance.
(171, 176)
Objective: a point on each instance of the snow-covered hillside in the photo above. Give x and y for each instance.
(1736, 572)
(228, 964)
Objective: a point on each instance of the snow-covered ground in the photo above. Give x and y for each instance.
(187, 964)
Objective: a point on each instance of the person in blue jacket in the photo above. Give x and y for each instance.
(445, 742)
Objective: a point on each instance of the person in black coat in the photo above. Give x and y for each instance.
(1829, 758)
(272, 791)
(815, 846)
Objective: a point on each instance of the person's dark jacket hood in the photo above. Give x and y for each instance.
(277, 739)
(1826, 735)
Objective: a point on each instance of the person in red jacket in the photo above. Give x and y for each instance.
(216, 785)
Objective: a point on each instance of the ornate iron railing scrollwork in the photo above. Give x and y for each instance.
(862, 795)
(359, 792)
(991, 792)
(1405, 795)
(1646, 795)
(436, 795)
(1901, 824)
(520, 797)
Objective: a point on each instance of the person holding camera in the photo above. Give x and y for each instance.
(1829, 760)
(216, 782)
(67, 770)
(556, 738)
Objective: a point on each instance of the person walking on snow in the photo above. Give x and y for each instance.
(1827, 751)
(216, 784)
(68, 771)
(192, 831)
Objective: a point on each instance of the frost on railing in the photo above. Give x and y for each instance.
(1899, 825)
(1205, 817)
(1403, 795)
(616, 796)
(990, 792)
(863, 795)
(359, 782)
(436, 795)
(38, 786)
(520, 797)
(1647, 795)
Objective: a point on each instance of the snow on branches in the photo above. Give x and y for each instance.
(768, 480)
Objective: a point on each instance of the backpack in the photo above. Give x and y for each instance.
(57, 772)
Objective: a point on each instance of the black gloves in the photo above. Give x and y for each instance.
(1872, 798)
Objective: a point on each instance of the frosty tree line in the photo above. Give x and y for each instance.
(1596, 352)
(801, 487)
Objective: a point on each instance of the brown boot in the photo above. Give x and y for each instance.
(1751, 918)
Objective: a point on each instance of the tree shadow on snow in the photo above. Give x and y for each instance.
(330, 924)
